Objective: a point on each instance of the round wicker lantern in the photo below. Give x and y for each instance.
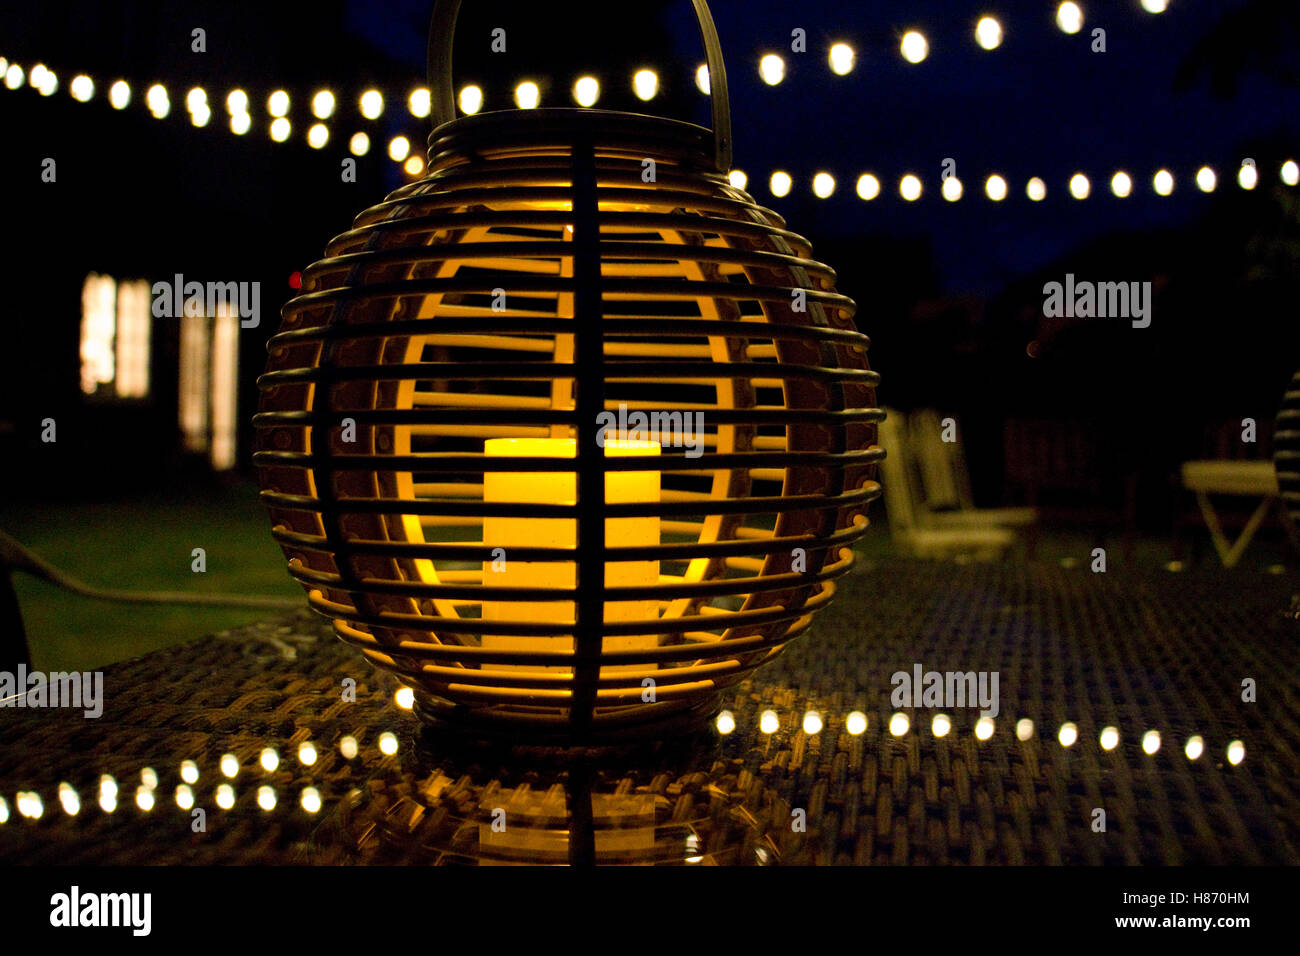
(570, 434)
(1286, 457)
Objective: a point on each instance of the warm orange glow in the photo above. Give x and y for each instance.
(558, 487)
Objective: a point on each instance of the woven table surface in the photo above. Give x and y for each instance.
(1133, 651)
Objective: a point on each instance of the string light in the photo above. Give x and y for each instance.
(471, 100)
(1024, 729)
(414, 166)
(909, 187)
(1079, 186)
(772, 69)
(645, 84)
(119, 95)
(1290, 172)
(14, 76)
(856, 723)
(82, 88)
(1067, 735)
(280, 130)
(322, 104)
(236, 102)
(277, 104)
(158, 102)
(1195, 747)
(1109, 738)
(702, 78)
(419, 102)
(269, 759)
(951, 189)
(189, 771)
(996, 188)
(738, 178)
(586, 91)
(1236, 752)
(241, 123)
(229, 765)
(841, 57)
(1120, 184)
(107, 793)
(823, 185)
(372, 104)
(1163, 182)
(318, 135)
(399, 148)
(940, 725)
(387, 743)
(68, 797)
(780, 184)
(1206, 180)
(307, 753)
(1151, 742)
(42, 80)
(1247, 176)
(868, 187)
(769, 722)
(527, 95)
(1155, 6)
(984, 728)
(988, 33)
(359, 145)
(914, 46)
(1069, 17)
(311, 800)
(898, 724)
(1036, 190)
(726, 722)
(812, 723)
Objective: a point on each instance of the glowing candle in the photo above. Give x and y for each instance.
(560, 487)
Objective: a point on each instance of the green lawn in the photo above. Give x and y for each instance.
(144, 544)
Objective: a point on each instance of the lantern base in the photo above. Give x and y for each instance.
(496, 725)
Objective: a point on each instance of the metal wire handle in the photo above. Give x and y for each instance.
(442, 29)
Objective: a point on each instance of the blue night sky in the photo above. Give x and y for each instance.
(1042, 104)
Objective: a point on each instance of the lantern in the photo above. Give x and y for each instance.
(569, 434)
(1286, 457)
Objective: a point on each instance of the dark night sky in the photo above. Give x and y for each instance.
(137, 196)
(1042, 104)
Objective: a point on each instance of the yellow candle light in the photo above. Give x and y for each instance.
(560, 487)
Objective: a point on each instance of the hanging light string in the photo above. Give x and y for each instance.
(841, 58)
(324, 106)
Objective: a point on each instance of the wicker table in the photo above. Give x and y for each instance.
(1160, 652)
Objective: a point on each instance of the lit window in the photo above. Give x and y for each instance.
(208, 396)
(115, 329)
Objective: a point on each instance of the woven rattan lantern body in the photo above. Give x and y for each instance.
(568, 447)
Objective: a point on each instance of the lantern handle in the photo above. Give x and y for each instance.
(442, 29)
